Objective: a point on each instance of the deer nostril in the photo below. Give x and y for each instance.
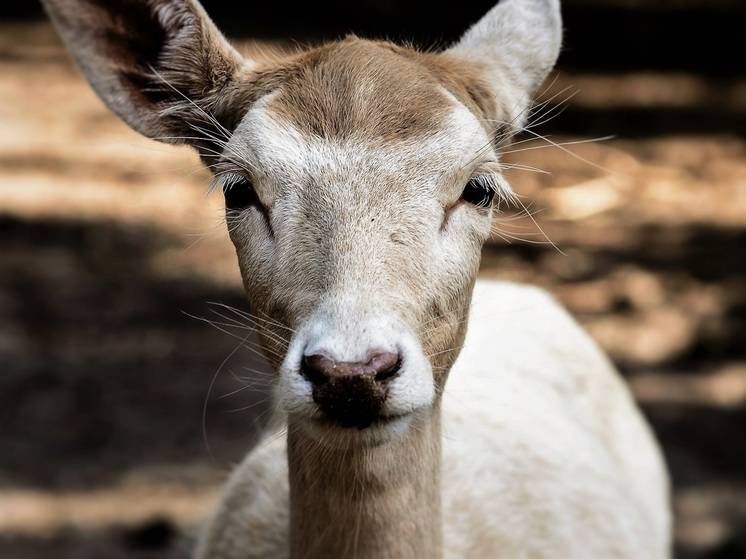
(390, 372)
(319, 369)
(315, 368)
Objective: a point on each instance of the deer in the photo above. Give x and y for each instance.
(421, 413)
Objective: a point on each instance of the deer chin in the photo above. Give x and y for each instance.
(381, 431)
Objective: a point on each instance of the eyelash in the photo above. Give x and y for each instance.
(239, 194)
(480, 191)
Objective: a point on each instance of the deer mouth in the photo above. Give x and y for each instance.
(361, 424)
(351, 402)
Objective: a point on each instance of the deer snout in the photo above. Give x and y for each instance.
(351, 394)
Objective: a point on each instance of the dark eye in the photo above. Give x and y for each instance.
(239, 194)
(479, 191)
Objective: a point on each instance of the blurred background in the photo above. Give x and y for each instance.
(122, 410)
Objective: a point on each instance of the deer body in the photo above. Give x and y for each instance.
(360, 180)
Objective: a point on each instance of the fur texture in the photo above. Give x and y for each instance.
(359, 239)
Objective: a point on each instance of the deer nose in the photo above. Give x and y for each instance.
(320, 369)
(351, 394)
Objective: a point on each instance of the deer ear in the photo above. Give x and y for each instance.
(160, 65)
(517, 44)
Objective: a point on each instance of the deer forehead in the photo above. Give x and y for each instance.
(275, 146)
(358, 88)
(281, 152)
(362, 105)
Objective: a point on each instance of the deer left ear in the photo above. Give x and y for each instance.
(517, 44)
(161, 65)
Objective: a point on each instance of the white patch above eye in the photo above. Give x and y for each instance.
(273, 147)
(277, 150)
(465, 132)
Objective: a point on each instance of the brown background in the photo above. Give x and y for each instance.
(109, 247)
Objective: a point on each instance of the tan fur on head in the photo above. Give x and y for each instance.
(164, 67)
(361, 91)
(374, 91)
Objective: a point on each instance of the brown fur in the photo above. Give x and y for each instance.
(361, 89)
(372, 90)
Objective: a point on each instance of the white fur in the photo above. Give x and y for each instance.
(544, 453)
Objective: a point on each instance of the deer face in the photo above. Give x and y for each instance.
(369, 203)
(359, 178)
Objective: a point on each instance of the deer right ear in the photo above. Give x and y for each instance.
(160, 65)
(517, 44)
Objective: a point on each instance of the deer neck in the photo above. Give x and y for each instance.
(377, 502)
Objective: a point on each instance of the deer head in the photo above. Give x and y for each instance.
(360, 178)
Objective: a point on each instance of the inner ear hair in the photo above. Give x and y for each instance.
(160, 65)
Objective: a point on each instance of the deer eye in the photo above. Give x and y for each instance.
(239, 194)
(479, 192)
